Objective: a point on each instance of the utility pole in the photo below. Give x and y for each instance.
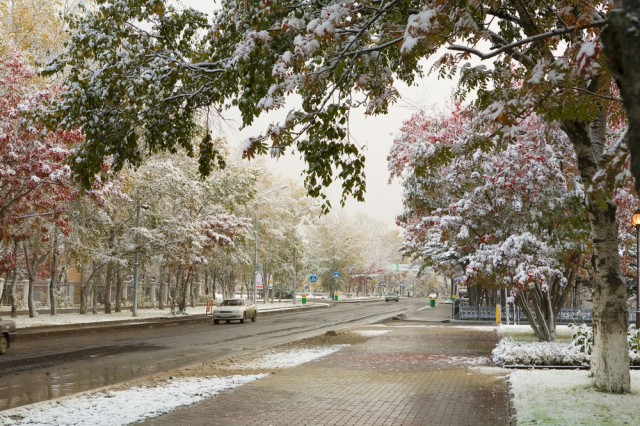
(135, 262)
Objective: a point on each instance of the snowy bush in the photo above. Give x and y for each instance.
(509, 352)
(581, 338)
(577, 353)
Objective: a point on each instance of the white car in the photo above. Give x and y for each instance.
(235, 310)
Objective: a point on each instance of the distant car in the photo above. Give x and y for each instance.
(7, 334)
(391, 296)
(235, 310)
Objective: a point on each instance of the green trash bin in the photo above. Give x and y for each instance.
(304, 299)
(336, 296)
(432, 303)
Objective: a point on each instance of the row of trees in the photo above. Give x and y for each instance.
(182, 229)
(504, 215)
(140, 88)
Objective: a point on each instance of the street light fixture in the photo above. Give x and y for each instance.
(635, 221)
(255, 235)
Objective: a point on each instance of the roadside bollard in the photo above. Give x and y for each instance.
(304, 299)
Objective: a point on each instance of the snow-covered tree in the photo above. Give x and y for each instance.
(35, 182)
(510, 215)
(136, 88)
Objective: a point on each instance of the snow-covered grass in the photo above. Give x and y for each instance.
(567, 397)
(560, 397)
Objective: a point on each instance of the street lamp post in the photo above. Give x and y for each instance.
(635, 221)
(255, 234)
(295, 272)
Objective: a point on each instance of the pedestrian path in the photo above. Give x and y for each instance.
(412, 371)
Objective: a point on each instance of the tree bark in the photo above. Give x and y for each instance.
(32, 269)
(118, 290)
(94, 293)
(54, 267)
(610, 356)
(161, 288)
(621, 40)
(107, 289)
(12, 287)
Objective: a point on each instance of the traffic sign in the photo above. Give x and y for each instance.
(313, 278)
(336, 274)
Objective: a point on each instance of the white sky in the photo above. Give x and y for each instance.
(376, 134)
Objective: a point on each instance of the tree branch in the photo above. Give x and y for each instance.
(528, 40)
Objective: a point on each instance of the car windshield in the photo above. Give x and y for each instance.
(233, 302)
(391, 294)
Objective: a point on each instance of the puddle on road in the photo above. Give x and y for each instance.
(49, 377)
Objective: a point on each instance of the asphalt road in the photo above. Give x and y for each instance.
(55, 365)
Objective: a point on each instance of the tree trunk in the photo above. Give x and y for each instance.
(94, 294)
(83, 301)
(12, 287)
(622, 47)
(32, 269)
(161, 288)
(32, 308)
(54, 267)
(610, 356)
(118, 290)
(107, 289)
(193, 282)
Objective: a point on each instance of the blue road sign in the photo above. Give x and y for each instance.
(336, 274)
(313, 278)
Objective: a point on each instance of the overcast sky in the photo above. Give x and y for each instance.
(374, 134)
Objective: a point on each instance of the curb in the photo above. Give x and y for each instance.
(94, 328)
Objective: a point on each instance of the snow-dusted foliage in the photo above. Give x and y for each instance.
(576, 353)
(509, 214)
(139, 71)
(35, 184)
(509, 352)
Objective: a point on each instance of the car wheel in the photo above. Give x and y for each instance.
(228, 321)
(4, 344)
(216, 321)
(397, 300)
(244, 317)
(253, 318)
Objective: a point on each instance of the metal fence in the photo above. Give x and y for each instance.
(488, 313)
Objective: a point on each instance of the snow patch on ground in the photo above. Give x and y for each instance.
(469, 360)
(287, 359)
(123, 406)
(372, 333)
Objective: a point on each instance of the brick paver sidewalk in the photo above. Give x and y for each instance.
(417, 373)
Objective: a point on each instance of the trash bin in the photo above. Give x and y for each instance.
(432, 302)
(304, 299)
(336, 297)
